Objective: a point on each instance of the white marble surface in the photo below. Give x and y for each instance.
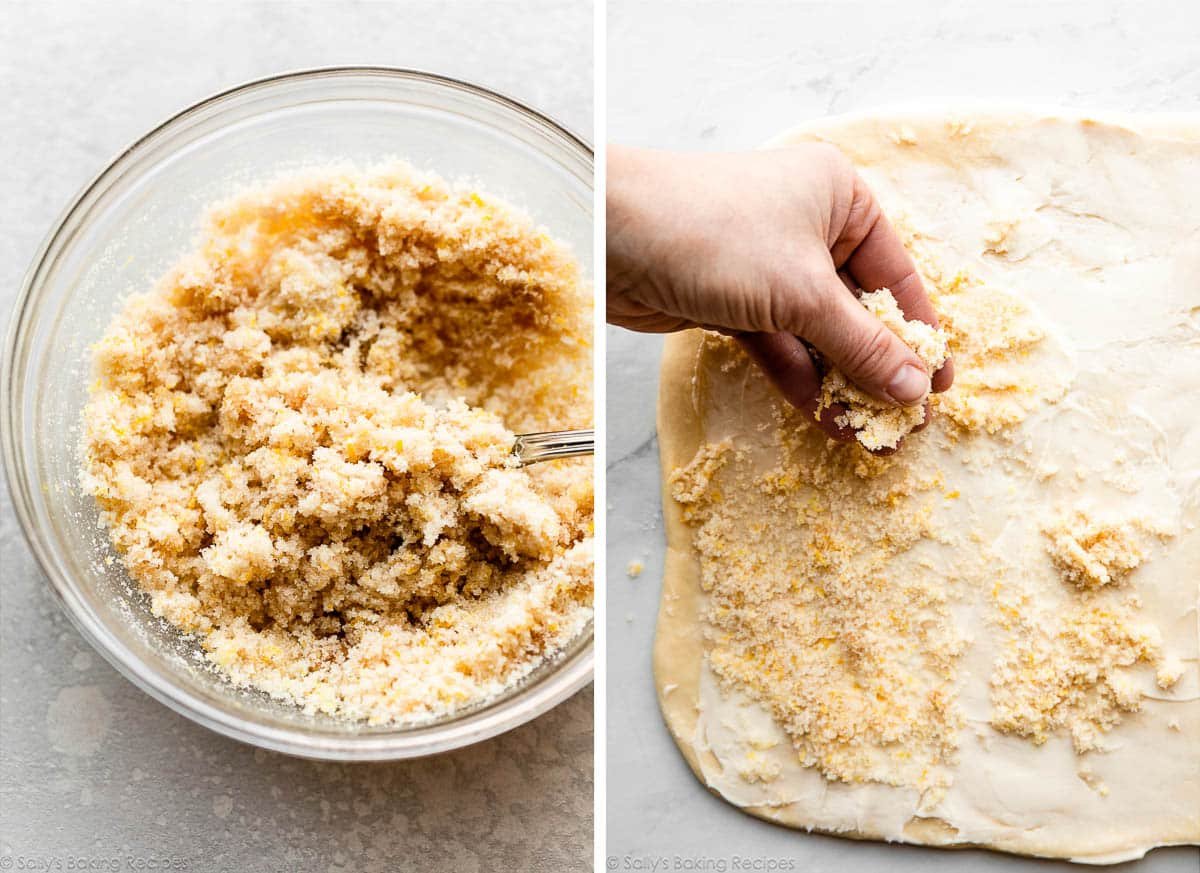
(91, 767)
(728, 76)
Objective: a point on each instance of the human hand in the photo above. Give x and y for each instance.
(767, 247)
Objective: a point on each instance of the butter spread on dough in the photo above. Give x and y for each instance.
(989, 638)
(879, 425)
(300, 443)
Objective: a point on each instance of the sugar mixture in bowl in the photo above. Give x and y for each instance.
(300, 443)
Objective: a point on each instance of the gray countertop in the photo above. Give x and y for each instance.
(92, 768)
(729, 80)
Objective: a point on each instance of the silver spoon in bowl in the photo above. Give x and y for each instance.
(549, 445)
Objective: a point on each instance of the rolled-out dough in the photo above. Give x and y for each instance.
(991, 637)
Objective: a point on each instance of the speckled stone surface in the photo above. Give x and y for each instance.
(729, 79)
(92, 768)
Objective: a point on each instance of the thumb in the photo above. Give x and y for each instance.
(871, 356)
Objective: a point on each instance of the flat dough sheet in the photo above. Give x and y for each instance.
(1091, 226)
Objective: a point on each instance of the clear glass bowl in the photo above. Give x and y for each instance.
(126, 228)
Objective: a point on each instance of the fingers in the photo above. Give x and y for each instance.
(872, 252)
(785, 361)
(634, 316)
(925, 421)
(656, 323)
(787, 364)
(868, 353)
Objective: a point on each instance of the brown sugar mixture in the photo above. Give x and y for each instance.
(300, 443)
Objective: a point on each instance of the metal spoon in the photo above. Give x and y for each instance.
(533, 447)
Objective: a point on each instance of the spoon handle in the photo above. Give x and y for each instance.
(533, 447)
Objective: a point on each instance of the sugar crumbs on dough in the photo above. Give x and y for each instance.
(856, 663)
(822, 607)
(1170, 671)
(1068, 672)
(300, 443)
(1067, 668)
(994, 337)
(1090, 553)
(876, 424)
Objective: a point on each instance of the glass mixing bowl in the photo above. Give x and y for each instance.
(126, 228)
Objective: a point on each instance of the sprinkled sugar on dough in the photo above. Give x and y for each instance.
(989, 637)
(300, 443)
(1091, 553)
(856, 663)
(834, 622)
(1070, 671)
(879, 425)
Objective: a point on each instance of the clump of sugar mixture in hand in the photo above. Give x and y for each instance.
(876, 423)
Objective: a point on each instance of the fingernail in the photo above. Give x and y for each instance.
(909, 386)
